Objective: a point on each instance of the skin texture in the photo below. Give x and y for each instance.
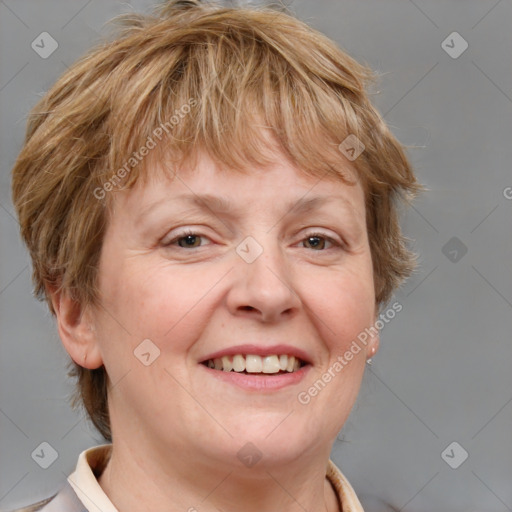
(177, 429)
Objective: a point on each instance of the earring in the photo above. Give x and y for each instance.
(369, 361)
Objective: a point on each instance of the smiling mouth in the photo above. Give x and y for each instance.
(253, 364)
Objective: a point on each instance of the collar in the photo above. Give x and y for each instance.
(84, 481)
(91, 463)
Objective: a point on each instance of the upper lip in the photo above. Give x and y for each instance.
(260, 350)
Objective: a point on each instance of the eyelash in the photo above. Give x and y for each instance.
(186, 233)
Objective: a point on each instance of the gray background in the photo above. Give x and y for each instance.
(443, 371)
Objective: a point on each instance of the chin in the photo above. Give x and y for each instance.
(271, 441)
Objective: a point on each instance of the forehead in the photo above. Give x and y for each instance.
(203, 183)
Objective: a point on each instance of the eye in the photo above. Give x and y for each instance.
(317, 241)
(186, 240)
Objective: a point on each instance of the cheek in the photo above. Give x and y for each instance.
(343, 310)
(158, 303)
(345, 307)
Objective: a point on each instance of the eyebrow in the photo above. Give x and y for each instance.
(223, 205)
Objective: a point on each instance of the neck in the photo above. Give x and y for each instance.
(141, 480)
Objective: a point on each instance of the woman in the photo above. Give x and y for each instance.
(210, 203)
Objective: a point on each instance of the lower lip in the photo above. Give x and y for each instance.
(259, 382)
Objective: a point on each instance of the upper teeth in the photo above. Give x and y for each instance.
(255, 364)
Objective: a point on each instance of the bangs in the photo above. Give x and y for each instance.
(227, 91)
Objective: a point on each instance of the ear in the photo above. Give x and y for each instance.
(76, 329)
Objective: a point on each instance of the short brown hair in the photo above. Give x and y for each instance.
(202, 77)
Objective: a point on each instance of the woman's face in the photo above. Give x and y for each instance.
(284, 270)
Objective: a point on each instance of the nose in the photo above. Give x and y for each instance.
(264, 289)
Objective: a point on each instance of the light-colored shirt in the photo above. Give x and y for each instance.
(88, 495)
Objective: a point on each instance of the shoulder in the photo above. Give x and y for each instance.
(65, 500)
(35, 506)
